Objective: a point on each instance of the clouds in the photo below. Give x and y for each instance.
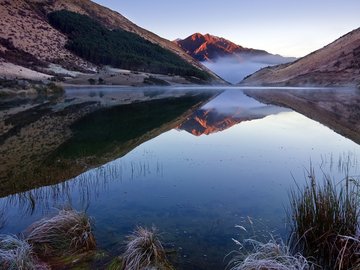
(235, 68)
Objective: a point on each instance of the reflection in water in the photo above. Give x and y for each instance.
(194, 189)
(228, 109)
(2, 217)
(338, 109)
(57, 141)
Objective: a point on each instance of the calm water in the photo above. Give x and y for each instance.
(231, 162)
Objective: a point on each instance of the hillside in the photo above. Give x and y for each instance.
(208, 47)
(336, 64)
(230, 61)
(27, 39)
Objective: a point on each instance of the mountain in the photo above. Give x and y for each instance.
(335, 64)
(230, 61)
(208, 47)
(41, 34)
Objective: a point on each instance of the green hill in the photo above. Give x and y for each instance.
(94, 42)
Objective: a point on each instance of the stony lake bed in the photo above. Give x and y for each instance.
(198, 163)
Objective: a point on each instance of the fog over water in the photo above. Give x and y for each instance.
(235, 68)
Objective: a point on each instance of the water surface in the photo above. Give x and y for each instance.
(229, 161)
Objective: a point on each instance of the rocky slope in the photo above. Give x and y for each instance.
(336, 64)
(27, 39)
(208, 47)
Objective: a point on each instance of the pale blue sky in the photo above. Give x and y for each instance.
(287, 27)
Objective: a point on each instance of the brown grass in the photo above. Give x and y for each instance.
(68, 233)
(324, 218)
(144, 251)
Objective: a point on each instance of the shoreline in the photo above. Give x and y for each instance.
(337, 109)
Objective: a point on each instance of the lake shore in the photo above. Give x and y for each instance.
(336, 108)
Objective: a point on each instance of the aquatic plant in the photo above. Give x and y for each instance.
(324, 218)
(2, 219)
(17, 254)
(267, 256)
(144, 251)
(68, 233)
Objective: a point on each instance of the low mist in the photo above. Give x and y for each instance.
(235, 68)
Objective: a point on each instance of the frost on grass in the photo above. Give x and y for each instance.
(267, 256)
(144, 251)
(67, 233)
(17, 254)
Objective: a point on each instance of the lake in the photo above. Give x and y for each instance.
(192, 162)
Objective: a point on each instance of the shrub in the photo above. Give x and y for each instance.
(155, 81)
(54, 88)
(92, 81)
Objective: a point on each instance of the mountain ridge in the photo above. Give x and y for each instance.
(336, 64)
(209, 47)
(25, 26)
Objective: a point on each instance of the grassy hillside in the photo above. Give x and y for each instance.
(92, 41)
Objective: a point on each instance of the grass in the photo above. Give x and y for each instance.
(144, 251)
(324, 219)
(68, 233)
(268, 256)
(2, 219)
(17, 254)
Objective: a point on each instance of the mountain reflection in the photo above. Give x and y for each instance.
(226, 110)
(49, 142)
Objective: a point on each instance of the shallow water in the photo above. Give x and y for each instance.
(230, 162)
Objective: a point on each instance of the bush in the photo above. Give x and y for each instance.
(54, 88)
(91, 81)
(155, 81)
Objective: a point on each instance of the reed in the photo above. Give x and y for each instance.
(324, 220)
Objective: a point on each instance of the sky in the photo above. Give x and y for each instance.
(286, 27)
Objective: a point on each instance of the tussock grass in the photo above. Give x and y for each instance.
(144, 251)
(17, 254)
(66, 234)
(324, 219)
(267, 256)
